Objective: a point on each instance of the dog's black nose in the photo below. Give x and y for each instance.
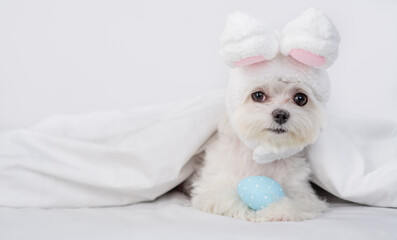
(280, 116)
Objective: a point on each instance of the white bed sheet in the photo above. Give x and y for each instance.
(170, 217)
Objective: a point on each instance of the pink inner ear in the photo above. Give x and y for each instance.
(249, 61)
(307, 58)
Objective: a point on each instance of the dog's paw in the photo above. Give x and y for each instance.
(226, 207)
(240, 211)
(290, 210)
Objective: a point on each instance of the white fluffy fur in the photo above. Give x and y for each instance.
(245, 144)
(228, 159)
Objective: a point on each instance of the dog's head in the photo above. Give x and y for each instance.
(278, 83)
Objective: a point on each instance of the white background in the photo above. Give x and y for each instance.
(70, 57)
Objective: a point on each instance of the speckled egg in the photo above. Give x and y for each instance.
(259, 191)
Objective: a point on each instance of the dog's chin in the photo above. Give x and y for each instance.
(280, 138)
(277, 130)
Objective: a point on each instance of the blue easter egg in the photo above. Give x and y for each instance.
(259, 191)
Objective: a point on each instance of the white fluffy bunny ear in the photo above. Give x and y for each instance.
(311, 39)
(246, 41)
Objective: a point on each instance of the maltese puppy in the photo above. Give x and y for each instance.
(275, 108)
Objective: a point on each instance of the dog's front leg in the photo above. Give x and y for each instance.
(223, 201)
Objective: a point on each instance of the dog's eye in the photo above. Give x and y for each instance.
(258, 96)
(300, 99)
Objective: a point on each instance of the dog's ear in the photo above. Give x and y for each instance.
(246, 41)
(311, 39)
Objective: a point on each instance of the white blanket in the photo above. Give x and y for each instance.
(105, 158)
(356, 159)
(121, 157)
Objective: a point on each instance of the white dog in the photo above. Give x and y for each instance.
(275, 108)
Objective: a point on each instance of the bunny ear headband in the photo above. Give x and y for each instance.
(311, 39)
